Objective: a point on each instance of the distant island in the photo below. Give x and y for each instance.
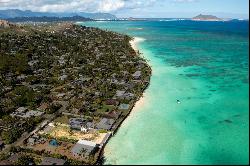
(202, 17)
(12, 13)
(48, 19)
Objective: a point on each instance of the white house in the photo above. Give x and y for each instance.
(83, 146)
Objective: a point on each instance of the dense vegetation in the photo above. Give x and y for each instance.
(78, 53)
(64, 67)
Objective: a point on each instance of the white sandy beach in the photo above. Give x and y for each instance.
(140, 103)
(134, 43)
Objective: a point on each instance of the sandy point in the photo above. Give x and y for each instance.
(134, 43)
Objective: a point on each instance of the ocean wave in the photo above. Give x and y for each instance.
(134, 28)
(139, 39)
(175, 19)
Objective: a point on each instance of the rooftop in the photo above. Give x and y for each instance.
(52, 161)
(83, 146)
(105, 124)
(85, 142)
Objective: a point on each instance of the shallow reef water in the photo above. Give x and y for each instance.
(205, 66)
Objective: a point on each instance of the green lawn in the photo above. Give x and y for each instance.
(62, 119)
(105, 109)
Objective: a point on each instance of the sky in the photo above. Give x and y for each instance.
(137, 8)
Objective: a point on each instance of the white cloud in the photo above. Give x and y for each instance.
(110, 5)
(183, 1)
(74, 5)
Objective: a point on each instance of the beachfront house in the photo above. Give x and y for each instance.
(83, 147)
(105, 124)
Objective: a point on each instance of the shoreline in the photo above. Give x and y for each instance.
(134, 43)
(139, 102)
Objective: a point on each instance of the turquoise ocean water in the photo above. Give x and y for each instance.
(205, 66)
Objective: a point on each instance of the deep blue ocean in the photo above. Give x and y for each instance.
(205, 65)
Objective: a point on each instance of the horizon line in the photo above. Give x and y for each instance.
(245, 17)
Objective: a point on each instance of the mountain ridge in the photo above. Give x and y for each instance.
(12, 13)
(48, 19)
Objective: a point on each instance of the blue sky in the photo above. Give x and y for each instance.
(137, 8)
